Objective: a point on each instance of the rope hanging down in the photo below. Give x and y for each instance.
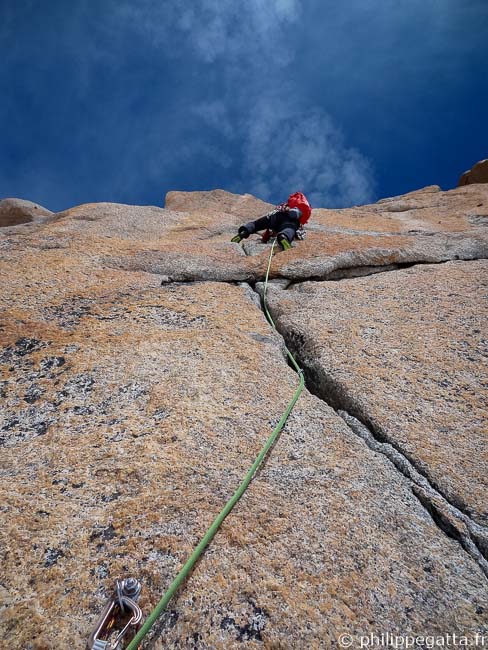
(209, 535)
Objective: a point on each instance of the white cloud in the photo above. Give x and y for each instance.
(215, 29)
(279, 146)
(214, 113)
(241, 118)
(272, 142)
(287, 149)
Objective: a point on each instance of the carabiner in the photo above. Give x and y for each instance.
(121, 612)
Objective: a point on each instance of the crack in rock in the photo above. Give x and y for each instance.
(449, 519)
(333, 274)
(324, 386)
(320, 263)
(454, 523)
(346, 273)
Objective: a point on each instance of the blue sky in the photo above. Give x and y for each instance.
(118, 100)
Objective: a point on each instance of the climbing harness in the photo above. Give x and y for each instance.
(209, 535)
(121, 613)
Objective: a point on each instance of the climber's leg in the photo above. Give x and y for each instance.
(250, 228)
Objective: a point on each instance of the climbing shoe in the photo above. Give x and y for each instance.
(284, 243)
(236, 239)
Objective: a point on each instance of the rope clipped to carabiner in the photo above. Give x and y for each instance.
(120, 617)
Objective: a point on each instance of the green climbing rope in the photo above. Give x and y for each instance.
(209, 535)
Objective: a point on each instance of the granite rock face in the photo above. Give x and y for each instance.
(477, 174)
(193, 243)
(405, 352)
(132, 410)
(17, 211)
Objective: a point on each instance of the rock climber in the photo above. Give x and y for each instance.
(285, 222)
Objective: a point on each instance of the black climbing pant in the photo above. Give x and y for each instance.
(282, 223)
